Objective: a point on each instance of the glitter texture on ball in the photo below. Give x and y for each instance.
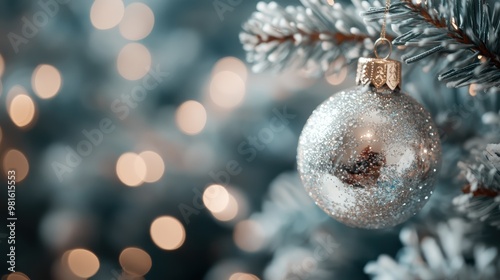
(369, 157)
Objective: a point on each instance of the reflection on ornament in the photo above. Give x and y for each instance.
(364, 171)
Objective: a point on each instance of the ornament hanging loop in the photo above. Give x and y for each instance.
(380, 71)
(381, 41)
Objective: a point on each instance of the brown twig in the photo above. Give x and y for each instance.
(339, 38)
(458, 35)
(481, 191)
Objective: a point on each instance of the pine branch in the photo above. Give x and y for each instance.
(459, 35)
(466, 32)
(339, 38)
(481, 198)
(286, 207)
(442, 251)
(311, 37)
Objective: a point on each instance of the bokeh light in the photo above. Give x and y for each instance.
(472, 89)
(227, 89)
(131, 169)
(249, 236)
(216, 198)
(337, 78)
(191, 117)
(2, 65)
(17, 276)
(135, 261)
(230, 211)
(134, 61)
(22, 110)
(232, 64)
(106, 14)
(167, 233)
(46, 81)
(155, 167)
(138, 21)
(83, 263)
(243, 276)
(16, 160)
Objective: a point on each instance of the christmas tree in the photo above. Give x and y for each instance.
(136, 143)
(453, 41)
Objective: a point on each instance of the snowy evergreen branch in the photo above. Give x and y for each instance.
(288, 212)
(443, 254)
(466, 31)
(309, 37)
(481, 198)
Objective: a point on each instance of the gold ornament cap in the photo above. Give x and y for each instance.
(379, 72)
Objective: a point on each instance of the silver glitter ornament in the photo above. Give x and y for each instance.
(369, 156)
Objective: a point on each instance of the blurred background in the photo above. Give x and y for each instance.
(145, 148)
(118, 115)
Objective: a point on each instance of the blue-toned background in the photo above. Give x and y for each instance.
(66, 203)
(144, 146)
